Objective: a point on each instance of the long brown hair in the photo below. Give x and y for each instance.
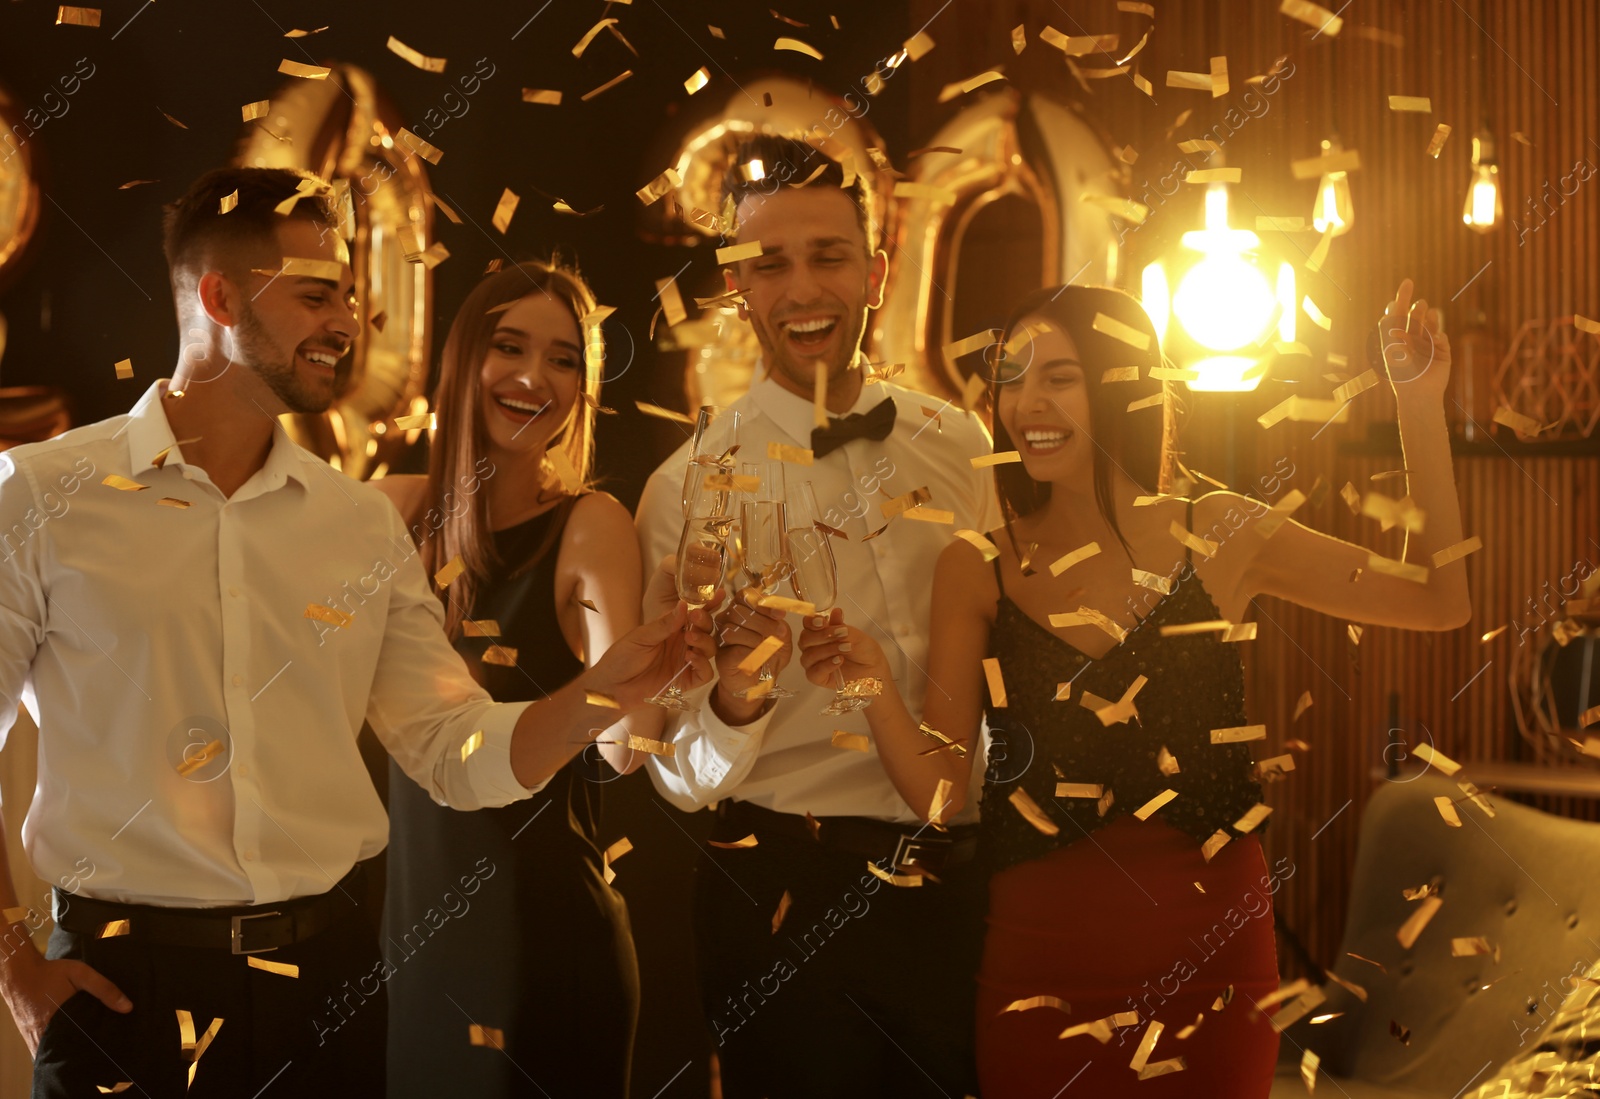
(1139, 443)
(462, 441)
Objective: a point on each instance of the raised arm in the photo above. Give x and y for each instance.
(963, 599)
(1313, 569)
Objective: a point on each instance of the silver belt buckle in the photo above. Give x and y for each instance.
(235, 939)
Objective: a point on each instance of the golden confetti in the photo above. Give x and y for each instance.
(663, 184)
(605, 701)
(123, 483)
(607, 86)
(282, 969)
(1355, 386)
(1319, 254)
(415, 144)
(1127, 334)
(930, 515)
(697, 80)
(1400, 570)
(1063, 691)
(487, 1036)
(480, 627)
(1320, 319)
(304, 72)
(1469, 947)
(794, 45)
(415, 57)
(297, 33)
(1214, 843)
(782, 452)
(1516, 421)
(734, 253)
(1032, 813)
(1584, 324)
(1436, 142)
(1280, 225)
(1197, 82)
(918, 45)
(972, 83)
(504, 209)
(1301, 706)
(1038, 1001)
(854, 742)
(1120, 374)
(979, 543)
(548, 97)
(1279, 513)
(1314, 15)
(1314, 167)
(500, 655)
(1408, 932)
(1019, 38)
(759, 655)
(1419, 103)
(590, 34)
(975, 342)
(736, 845)
(1153, 581)
(1200, 146)
(1118, 712)
(940, 802)
(329, 615)
(1088, 616)
(784, 904)
(611, 855)
(1433, 757)
(445, 576)
(1166, 762)
(1248, 823)
(1205, 547)
(1589, 717)
(77, 17)
(1403, 513)
(471, 744)
(115, 929)
(1080, 790)
(173, 502)
(114, 1089)
(904, 881)
(662, 413)
(1241, 631)
(1238, 734)
(959, 747)
(997, 684)
(1066, 561)
(1210, 625)
(1219, 77)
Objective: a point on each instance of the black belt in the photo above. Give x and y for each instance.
(239, 930)
(906, 847)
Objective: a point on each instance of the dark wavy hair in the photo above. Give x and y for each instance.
(1139, 443)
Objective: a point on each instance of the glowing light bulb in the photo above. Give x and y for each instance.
(1156, 298)
(1333, 208)
(1483, 208)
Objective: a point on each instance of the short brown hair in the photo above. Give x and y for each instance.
(791, 162)
(194, 225)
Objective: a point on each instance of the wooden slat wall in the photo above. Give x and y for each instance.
(1525, 67)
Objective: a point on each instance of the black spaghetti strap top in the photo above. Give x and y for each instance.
(1194, 684)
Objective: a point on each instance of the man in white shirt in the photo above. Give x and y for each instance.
(199, 623)
(818, 978)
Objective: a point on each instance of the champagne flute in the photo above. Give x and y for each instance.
(765, 547)
(702, 459)
(816, 581)
(702, 562)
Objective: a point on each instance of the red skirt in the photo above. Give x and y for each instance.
(1114, 923)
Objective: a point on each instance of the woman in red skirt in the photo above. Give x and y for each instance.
(1130, 913)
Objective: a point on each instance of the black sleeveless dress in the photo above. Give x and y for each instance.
(1194, 684)
(502, 917)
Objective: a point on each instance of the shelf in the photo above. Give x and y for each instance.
(1518, 778)
(1383, 441)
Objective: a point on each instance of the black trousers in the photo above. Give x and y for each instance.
(315, 1035)
(865, 989)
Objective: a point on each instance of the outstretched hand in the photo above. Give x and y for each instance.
(831, 649)
(1415, 352)
(675, 647)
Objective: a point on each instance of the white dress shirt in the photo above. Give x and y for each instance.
(785, 760)
(136, 632)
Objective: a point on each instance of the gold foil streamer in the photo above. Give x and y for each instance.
(1238, 734)
(122, 483)
(1032, 813)
(663, 184)
(282, 969)
(1127, 334)
(502, 655)
(416, 57)
(1314, 15)
(972, 83)
(487, 1036)
(1425, 911)
(1419, 103)
(612, 854)
(1038, 1001)
(548, 97)
(471, 744)
(1213, 175)
(607, 86)
(997, 684)
(1066, 561)
(854, 742)
(415, 144)
(758, 656)
(979, 543)
(736, 845)
(1400, 570)
(504, 209)
(1080, 790)
(782, 452)
(794, 45)
(77, 17)
(304, 72)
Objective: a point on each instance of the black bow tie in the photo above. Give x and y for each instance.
(875, 423)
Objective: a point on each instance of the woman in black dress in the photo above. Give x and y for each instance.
(1131, 898)
(504, 917)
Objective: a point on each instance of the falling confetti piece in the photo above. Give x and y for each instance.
(1066, 561)
(304, 72)
(607, 86)
(1032, 813)
(785, 902)
(699, 79)
(794, 45)
(547, 97)
(415, 57)
(123, 483)
(471, 744)
(1314, 15)
(504, 209)
(1238, 734)
(1032, 1002)
(487, 1036)
(115, 929)
(1149, 808)
(854, 742)
(1436, 142)
(77, 17)
(282, 969)
(1418, 103)
(447, 575)
(416, 145)
(124, 368)
(1110, 326)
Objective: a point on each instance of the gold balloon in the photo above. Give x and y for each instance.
(722, 349)
(19, 190)
(1010, 145)
(342, 129)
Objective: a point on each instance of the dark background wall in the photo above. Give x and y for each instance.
(94, 290)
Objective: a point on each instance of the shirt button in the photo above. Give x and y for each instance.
(250, 856)
(903, 631)
(234, 592)
(244, 770)
(238, 679)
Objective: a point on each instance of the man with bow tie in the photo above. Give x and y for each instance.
(820, 974)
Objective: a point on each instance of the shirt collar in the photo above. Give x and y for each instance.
(792, 412)
(150, 435)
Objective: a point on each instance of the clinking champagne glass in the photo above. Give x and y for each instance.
(816, 580)
(702, 561)
(763, 536)
(710, 430)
